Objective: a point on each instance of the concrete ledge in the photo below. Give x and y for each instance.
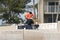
(33, 35)
(58, 27)
(11, 35)
(41, 35)
(48, 26)
(30, 34)
(11, 27)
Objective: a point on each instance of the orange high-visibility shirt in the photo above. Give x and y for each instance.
(29, 16)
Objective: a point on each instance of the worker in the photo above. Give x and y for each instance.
(29, 16)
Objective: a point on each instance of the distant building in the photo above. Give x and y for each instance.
(49, 11)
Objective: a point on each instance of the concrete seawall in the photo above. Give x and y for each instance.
(11, 33)
(30, 34)
(41, 35)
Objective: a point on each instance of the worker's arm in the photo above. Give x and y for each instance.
(33, 15)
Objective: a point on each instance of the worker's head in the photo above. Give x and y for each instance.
(30, 12)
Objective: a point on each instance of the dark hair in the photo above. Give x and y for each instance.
(30, 12)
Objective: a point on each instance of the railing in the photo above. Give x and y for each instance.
(53, 9)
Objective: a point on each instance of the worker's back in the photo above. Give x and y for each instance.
(29, 16)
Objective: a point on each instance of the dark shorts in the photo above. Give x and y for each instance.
(29, 21)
